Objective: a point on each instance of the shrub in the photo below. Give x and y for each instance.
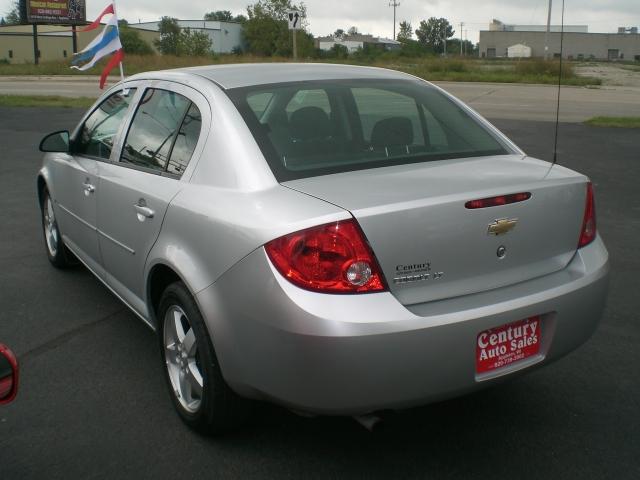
(538, 66)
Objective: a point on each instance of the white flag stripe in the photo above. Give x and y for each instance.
(112, 21)
(112, 46)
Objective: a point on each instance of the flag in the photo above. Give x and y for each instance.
(96, 23)
(107, 42)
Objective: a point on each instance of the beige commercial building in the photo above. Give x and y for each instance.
(54, 42)
(575, 45)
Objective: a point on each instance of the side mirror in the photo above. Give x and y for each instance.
(56, 142)
(8, 375)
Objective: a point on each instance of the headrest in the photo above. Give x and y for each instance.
(391, 132)
(309, 122)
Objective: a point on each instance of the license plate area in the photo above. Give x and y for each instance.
(507, 344)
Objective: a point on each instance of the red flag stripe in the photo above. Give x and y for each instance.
(117, 58)
(96, 23)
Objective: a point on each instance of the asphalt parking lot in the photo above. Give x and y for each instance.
(93, 403)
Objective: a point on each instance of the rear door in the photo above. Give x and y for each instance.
(76, 176)
(136, 188)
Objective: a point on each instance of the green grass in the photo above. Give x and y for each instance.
(44, 101)
(622, 122)
(428, 67)
(631, 68)
(468, 70)
(132, 64)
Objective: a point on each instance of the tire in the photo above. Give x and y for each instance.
(198, 391)
(57, 252)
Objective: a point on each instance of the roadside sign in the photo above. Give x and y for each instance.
(295, 20)
(56, 11)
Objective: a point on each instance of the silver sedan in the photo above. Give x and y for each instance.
(336, 239)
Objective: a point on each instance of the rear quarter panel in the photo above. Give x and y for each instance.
(207, 230)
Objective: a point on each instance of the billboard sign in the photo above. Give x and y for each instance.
(56, 11)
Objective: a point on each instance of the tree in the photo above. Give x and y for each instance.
(339, 33)
(433, 32)
(353, 31)
(131, 40)
(14, 16)
(412, 48)
(266, 31)
(169, 41)
(175, 41)
(219, 15)
(405, 32)
(453, 46)
(338, 51)
(195, 43)
(275, 9)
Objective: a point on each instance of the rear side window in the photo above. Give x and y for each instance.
(309, 98)
(100, 128)
(186, 141)
(376, 105)
(259, 102)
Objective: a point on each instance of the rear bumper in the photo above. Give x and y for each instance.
(353, 354)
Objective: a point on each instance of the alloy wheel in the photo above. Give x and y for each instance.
(182, 359)
(50, 227)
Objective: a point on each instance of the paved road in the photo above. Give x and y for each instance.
(538, 102)
(93, 401)
(494, 100)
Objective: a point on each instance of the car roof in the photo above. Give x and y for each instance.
(248, 74)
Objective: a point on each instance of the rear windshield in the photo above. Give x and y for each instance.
(305, 129)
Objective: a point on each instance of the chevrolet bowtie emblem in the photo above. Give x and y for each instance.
(501, 226)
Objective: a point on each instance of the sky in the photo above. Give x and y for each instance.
(376, 16)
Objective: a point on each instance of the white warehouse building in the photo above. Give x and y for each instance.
(356, 42)
(519, 51)
(225, 36)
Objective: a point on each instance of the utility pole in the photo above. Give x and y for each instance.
(295, 44)
(394, 4)
(444, 38)
(546, 34)
(461, 24)
(36, 50)
(74, 39)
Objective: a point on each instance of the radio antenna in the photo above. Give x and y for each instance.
(555, 141)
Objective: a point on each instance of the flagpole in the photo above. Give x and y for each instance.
(115, 12)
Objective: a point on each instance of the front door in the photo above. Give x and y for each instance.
(77, 181)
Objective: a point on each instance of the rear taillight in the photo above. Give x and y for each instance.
(588, 232)
(331, 258)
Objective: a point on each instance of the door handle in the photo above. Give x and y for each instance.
(88, 188)
(143, 212)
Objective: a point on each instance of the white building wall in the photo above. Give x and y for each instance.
(225, 36)
(351, 45)
(518, 51)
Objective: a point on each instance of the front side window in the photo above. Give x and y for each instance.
(98, 133)
(154, 129)
(306, 129)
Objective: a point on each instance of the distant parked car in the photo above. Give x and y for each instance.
(335, 239)
(9, 375)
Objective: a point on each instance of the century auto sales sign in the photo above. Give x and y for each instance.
(501, 346)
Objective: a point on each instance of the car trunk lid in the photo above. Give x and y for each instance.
(430, 246)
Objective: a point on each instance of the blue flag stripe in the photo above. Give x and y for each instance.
(110, 34)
